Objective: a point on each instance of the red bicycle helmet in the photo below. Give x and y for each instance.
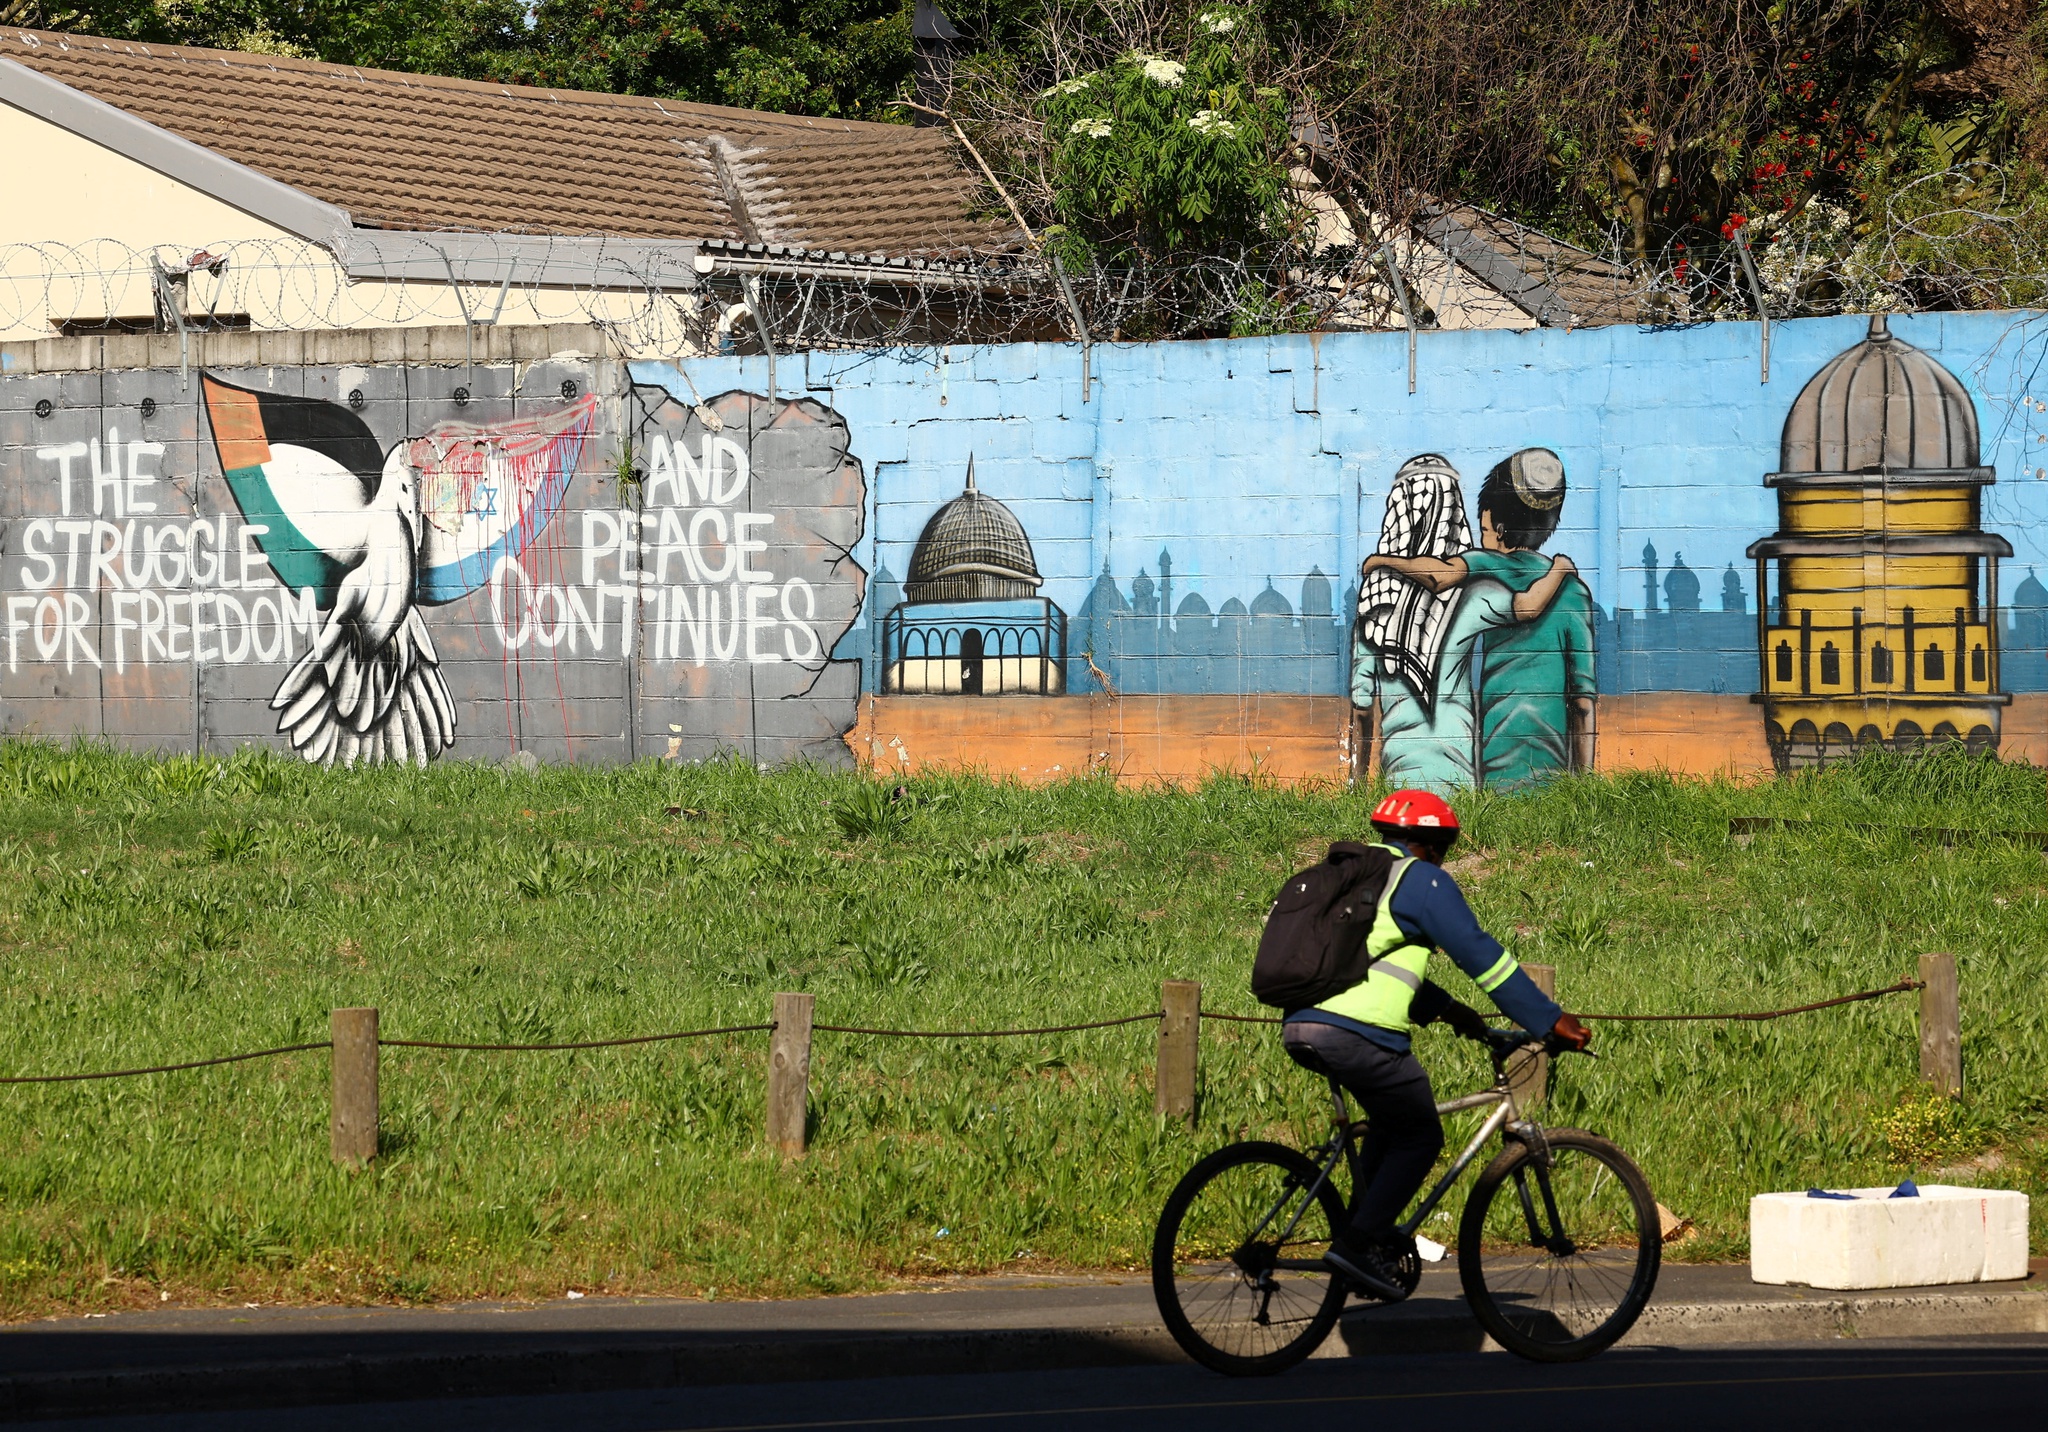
(1416, 814)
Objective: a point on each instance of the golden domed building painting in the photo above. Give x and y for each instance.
(1877, 611)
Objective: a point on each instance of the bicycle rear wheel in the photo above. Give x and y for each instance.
(1227, 1230)
(1559, 1254)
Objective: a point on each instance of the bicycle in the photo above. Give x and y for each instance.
(1558, 1248)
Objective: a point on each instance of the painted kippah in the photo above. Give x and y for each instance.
(1538, 475)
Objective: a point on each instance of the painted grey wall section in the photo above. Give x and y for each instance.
(687, 615)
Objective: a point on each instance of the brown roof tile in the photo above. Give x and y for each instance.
(1555, 282)
(425, 152)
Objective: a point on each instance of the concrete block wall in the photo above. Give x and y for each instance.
(1197, 519)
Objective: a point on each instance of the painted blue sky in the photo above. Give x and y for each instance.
(1259, 458)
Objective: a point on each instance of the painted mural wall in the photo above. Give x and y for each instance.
(402, 563)
(1600, 549)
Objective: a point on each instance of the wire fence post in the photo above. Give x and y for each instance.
(1180, 1044)
(1531, 1080)
(352, 1132)
(789, 1072)
(1941, 1042)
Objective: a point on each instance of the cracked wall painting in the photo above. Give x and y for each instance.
(387, 576)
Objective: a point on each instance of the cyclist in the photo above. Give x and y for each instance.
(1360, 1037)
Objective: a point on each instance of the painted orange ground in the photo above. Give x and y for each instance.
(1183, 738)
(1689, 732)
(2023, 734)
(1292, 738)
(1141, 738)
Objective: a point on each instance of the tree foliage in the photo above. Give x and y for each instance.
(1659, 130)
(1152, 156)
(824, 57)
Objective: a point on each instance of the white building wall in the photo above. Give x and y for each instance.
(83, 221)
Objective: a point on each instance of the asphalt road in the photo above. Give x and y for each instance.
(1862, 1385)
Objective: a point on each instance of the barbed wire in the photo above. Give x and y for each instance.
(1951, 240)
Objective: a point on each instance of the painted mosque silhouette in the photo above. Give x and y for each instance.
(970, 620)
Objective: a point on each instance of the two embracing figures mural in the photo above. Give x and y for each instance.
(1472, 661)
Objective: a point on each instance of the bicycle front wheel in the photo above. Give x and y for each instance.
(1236, 1262)
(1559, 1252)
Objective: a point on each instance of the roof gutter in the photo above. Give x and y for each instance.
(393, 255)
(599, 262)
(722, 266)
(532, 260)
(257, 194)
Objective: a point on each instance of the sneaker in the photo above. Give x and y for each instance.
(1369, 1266)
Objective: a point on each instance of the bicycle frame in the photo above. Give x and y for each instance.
(1506, 1115)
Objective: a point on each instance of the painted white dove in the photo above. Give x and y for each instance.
(377, 538)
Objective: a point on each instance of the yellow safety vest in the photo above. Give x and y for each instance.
(1382, 998)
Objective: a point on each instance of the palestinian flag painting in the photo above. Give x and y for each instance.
(375, 535)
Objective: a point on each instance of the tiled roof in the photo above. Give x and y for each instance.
(403, 151)
(1555, 282)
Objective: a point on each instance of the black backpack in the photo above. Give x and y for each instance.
(1314, 943)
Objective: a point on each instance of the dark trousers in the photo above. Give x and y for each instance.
(1404, 1134)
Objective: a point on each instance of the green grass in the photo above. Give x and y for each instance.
(154, 911)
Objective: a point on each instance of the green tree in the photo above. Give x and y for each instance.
(1156, 158)
(845, 58)
(466, 38)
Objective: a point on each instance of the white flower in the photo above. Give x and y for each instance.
(1218, 22)
(1165, 72)
(1066, 87)
(1209, 121)
(1091, 128)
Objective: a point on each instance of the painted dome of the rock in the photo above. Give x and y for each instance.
(1881, 406)
(972, 549)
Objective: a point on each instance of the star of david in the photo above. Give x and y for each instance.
(485, 503)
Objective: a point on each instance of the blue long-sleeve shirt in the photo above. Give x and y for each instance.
(1430, 908)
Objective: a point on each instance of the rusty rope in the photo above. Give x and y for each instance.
(985, 1033)
(578, 1044)
(160, 1068)
(1901, 987)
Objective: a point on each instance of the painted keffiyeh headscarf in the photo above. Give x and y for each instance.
(1401, 620)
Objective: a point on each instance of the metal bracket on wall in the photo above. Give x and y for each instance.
(468, 326)
(1756, 288)
(1386, 258)
(1080, 325)
(751, 288)
(168, 301)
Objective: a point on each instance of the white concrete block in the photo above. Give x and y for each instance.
(1946, 1235)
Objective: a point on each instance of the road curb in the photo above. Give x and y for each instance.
(1820, 1316)
(584, 1363)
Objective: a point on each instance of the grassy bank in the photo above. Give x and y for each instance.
(152, 911)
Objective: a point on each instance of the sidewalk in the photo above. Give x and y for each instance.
(254, 1357)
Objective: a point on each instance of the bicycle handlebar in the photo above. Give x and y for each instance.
(1500, 1043)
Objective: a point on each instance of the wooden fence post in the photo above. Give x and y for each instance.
(1532, 1077)
(1180, 1043)
(1941, 1041)
(789, 1072)
(352, 1131)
